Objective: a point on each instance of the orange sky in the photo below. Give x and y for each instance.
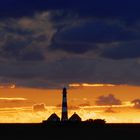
(21, 108)
(53, 96)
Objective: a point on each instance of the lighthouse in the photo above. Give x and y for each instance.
(64, 105)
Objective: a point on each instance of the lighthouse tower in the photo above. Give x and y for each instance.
(64, 105)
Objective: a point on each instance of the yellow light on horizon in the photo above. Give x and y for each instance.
(90, 85)
(11, 86)
(11, 99)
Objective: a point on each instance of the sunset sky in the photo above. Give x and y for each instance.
(92, 47)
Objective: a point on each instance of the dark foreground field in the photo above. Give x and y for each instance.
(69, 131)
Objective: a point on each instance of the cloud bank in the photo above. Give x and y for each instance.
(49, 44)
(108, 100)
(39, 107)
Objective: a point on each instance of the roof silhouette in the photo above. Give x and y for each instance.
(75, 117)
(53, 118)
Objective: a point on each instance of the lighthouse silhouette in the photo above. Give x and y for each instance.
(64, 105)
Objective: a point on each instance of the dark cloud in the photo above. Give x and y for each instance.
(136, 103)
(33, 55)
(53, 43)
(39, 107)
(17, 50)
(72, 47)
(94, 35)
(26, 39)
(123, 51)
(99, 31)
(98, 8)
(108, 100)
(56, 74)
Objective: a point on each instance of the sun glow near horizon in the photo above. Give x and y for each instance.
(90, 85)
(27, 115)
(16, 105)
(10, 86)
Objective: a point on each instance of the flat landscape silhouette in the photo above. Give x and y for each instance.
(69, 130)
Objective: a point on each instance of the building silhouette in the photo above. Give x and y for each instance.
(53, 118)
(75, 118)
(64, 112)
(64, 115)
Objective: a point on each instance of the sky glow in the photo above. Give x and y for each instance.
(92, 47)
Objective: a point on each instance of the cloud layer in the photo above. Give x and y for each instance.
(51, 44)
(108, 100)
(39, 107)
(14, 102)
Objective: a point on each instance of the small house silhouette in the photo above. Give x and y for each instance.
(53, 118)
(75, 118)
